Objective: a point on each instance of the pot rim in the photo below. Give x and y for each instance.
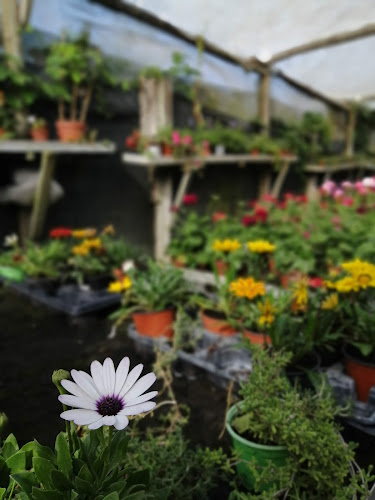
(143, 313)
(352, 357)
(233, 410)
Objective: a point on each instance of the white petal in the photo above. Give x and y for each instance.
(83, 382)
(131, 379)
(95, 425)
(81, 417)
(109, 420)
(121, 422)
(140, 399)
(69, 400)
(76, 390)
(141, 386)
(109, 376)
(136, 409)
(97, 375)
(121, 374)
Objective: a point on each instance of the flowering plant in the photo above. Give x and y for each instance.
(353, 294)
(88, 462)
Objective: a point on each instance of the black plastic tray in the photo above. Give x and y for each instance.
(69, 299)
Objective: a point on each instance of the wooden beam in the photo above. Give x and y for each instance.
(264, 101)
(153, 20)
(345, 36)
(42, 194)
(311, 91)
(24, 11)
(10, 28)
(350, 131)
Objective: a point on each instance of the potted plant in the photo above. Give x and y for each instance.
(39, 130)
(151, 299)
(77, 71)
(288, 441)
(355, 301)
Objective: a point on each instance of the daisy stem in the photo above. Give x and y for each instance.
(110, 434)
(68, 430)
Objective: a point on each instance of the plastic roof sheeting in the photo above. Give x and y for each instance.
(263, 28)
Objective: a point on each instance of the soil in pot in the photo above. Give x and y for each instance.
(155, 324)
(361, 370)
(215, 322)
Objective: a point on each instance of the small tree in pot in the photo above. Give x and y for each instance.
(77, 71)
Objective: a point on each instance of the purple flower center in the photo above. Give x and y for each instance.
(109, 405)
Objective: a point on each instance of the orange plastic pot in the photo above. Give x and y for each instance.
(363, 374)
(217, 325)
(257, 338)
(167, 150)
(70, 131)
(155, 324)
(39, 134)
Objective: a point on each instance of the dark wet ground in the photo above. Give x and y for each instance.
(36, 340)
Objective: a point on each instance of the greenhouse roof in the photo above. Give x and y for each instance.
(271, 30)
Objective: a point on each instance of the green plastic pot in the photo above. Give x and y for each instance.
(248, 451)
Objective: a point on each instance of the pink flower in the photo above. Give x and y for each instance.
(328, 187)
(348, 201)
(187, 140)
(190, 199)
(268, 197)
(338, 193)
(360, 188)
(176, 138)
(306, 235)
(369, 182)
(346, 185)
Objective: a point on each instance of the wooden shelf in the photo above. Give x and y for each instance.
(55, 147)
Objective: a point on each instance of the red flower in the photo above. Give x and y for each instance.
(348, 201)
(218, 216)
(306, 235)
(302, 198)
(190, 199)
(260, 214)
(362, 209)
(60, 232)
(315, 282)
(248, 220)
(288, 196)
(130, 143)
(268, 197)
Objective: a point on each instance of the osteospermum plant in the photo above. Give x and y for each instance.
(88, 463)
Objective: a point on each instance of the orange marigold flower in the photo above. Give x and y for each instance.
(84, 233)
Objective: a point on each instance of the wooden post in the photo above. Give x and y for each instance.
(11, 28)
(156, 105)
(42, 193)
(264, 101)
(264, 185)
(162, 198)
(280, 178)
(350, 130)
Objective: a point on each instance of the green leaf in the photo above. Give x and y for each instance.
(26, 480)
(84, 487)
(44, 452)
(39, 494)
(60, 481)
(4, 473)
(112, 496)
(2, 493)
(10, 446)
(366, 349)
(11, 273)
(43, 469)
(17, 462)
(64, 459)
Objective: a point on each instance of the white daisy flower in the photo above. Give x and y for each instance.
(108, 396)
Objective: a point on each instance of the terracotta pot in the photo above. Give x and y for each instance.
(155, 324)
(257, 338)
(221, 267)
(362, 372)
(167, 150)
(70, 131)
(215, 324)
(39, 134)
(2, 131)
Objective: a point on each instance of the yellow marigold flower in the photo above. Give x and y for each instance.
(300, 296)
(362, 272)
(247, 287)
(226, 245)
(84, 233)
(120, 285)
(80, 250)
(261, 246)
(94, 243)
(267, 311)
(347, 285)
(331, 302)
(110, 230)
